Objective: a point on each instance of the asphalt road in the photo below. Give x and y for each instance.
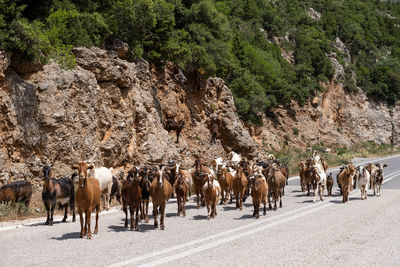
(328, 233)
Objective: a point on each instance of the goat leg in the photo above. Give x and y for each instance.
(88, 220)
(53, 205)
(81, 220)
(137, 216)
(162, 226)
(146, 218)
(46, 204)
(65, 212)
(96, 227)
(183, 205)
(126, 213)
(132, 213)
(155, 215)
(208, 212)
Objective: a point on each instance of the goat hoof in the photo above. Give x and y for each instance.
(132, 229)
(208, 217)
(275, 208)
(64, 220)
(162, 227)
(73, 220)
(258, 216)
(264, 213)
(51, 223)
(89, 236)
(184, 215)
(46, 223)
(81, 236)
(146, 220)
(96, 232)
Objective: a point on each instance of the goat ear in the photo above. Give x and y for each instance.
(385, 165)
(90, 166)
(74, 167)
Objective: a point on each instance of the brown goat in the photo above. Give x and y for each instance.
(182, 189)
(211, 192)
(239, 187)
(225, 180)
(131, 195)
(160, 191)
(199, 177)
(87, 198)
(276, 182)
(344, 179)
(302, 174)
(171, 124)
(329, 184)
(259, 193)
(19, 191)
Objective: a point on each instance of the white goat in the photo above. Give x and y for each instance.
(363, 178)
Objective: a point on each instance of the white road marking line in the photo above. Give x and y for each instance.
(313, 208)
(235, 237)
(194, 242)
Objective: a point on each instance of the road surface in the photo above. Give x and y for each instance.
(302, 233)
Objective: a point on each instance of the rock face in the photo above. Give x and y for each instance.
(333, 118)
(112, 112)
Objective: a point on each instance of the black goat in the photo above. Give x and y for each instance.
(116, 190)
(171, 124)
(57, 190)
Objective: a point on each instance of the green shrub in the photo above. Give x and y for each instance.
(295, 131)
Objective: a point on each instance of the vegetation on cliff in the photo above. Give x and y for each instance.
(232, 39)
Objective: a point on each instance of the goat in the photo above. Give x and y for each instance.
(131, 195)
(104, 176)
(345, 179)
(171, 124)
(259, 192)
(160, 191)
(276, 182)
(302, 173)
(19, 191)
(145, 198)
(211, 192)
(225, 180)
(329, 184)
(87, 198)
(181, 186)
(199, 177)
(363, 178)
(378, 178)
(239, 187)
(57, 190)
(116, 190)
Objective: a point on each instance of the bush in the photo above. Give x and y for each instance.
(295, 131)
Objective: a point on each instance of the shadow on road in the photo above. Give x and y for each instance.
(74, 235)
(246, 216)
(229, 208)
(199, 217)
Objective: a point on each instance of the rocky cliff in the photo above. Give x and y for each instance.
(112, 112)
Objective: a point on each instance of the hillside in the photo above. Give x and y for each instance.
(97, 80)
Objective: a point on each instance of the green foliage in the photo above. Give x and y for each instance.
(295, 131)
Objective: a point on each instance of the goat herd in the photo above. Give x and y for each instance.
(213, 182)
